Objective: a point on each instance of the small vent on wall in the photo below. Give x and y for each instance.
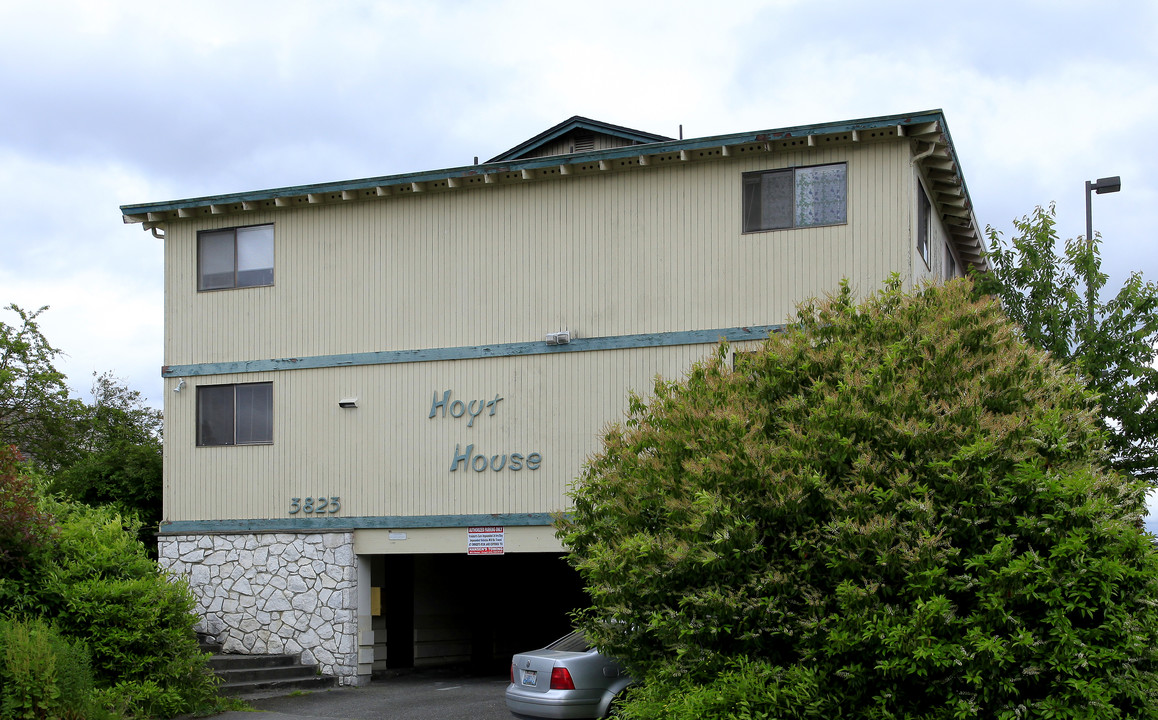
(584, 142)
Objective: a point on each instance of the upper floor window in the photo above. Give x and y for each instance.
(235, 258)
(796, 197)
(924, 220)
(235, 414)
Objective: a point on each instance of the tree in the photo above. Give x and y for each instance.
(106, 452)
(119, 460)
(117, 414)
(36, 412)
(123, 475)
(893, 510)
(1112, 345)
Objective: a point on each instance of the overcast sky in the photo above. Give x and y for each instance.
(104, 103)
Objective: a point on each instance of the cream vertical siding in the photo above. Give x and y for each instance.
(388, 457)
(647, 250)
(656, 249)
(935, 269)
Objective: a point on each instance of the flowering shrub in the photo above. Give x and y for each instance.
(896, 509)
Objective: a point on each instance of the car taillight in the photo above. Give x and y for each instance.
(512, 673)
(561, 679)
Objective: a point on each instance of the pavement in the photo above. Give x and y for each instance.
(413, 696)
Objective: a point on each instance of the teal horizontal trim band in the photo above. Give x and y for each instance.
(474, 352)
(338, 524)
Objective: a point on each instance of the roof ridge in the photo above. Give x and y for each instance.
(573, 123)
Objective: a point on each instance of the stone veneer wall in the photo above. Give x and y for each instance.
(275, 593)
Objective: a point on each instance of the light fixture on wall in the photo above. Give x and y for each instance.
(180, 386)
(348, 403)
(562, 337)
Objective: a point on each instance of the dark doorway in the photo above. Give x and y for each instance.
(470, 611)
(399, 612)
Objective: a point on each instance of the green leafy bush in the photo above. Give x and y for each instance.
(124, 475)
(83, 569)
(43, 674)
(144, 698)
(120, 457)
(892, 510)
(138, 622)
(744, 690)
(26, 534)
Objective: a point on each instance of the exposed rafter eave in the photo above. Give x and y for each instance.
(947, 191)
(920, 125)
(927, 131)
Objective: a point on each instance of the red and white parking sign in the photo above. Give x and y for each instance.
(485, 540)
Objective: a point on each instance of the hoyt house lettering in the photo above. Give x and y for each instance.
(468, 459)
(458, 408)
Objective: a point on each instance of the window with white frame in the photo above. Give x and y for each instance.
(239, 414)
(796, 197)
(235, 258)
(950, 263)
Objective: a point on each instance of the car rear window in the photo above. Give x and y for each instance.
(573, 642)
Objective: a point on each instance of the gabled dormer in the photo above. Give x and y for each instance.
(575, 135)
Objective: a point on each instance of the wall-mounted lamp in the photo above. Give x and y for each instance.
(180, 386)
(348, 403)
(559, 338)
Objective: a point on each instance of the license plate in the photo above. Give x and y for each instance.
(530, 677)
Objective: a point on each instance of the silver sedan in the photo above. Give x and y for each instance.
(566, 679)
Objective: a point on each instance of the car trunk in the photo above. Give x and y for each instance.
(533, 672)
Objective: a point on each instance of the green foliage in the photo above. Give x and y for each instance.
(1047, 294)
(145, 698)
(82, 567)
(26, 533)
(119, 462)
(744, 690)
(97, 585)
(138, 623)
(892, 510)
(43, 674)
(117, 414)
(124, 475)
(25, 530)
(106, 452)
(36, 413)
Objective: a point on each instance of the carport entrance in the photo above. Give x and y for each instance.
(471, 611)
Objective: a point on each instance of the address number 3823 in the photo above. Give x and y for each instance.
(317, 506)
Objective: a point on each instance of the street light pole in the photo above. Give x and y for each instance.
(1100, 186)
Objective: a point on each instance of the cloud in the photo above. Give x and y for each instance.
(99, 323)
(108, 102)
(63, 245)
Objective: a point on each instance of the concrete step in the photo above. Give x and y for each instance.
(272, 688)
(243, 675)
(231, 662)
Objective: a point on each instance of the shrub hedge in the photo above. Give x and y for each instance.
(84, 600)
(893, 510)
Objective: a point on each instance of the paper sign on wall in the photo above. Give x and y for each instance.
(485, 540)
